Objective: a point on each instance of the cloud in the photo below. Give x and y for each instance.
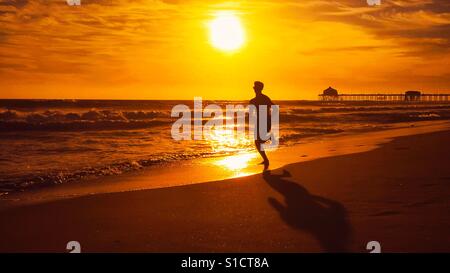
(417, 25)
(56, 38)
(41, 40)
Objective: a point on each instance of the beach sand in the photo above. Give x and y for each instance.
(396, 194)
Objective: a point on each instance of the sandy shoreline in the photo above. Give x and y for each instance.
(396, 194)
(186, 172)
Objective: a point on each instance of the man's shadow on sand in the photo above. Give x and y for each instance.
(324, 219)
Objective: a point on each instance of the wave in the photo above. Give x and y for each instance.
(12, 120)
(399, 116)
(34, 181)
(117, 120)
(365, 117)
(348, 109)
(36, 154)
(300, 133)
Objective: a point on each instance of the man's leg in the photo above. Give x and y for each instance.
(262, 153)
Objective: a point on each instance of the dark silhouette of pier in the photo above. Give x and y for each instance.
(331, 94)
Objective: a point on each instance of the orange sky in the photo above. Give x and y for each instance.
(152, 49)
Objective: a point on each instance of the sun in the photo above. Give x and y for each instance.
(226, 31)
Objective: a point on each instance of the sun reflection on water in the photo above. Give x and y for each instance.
(236, 163)
(225, 140)
(239, 146)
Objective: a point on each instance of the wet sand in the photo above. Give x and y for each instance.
(396, 194)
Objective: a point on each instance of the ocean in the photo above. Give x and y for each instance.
(48, 142)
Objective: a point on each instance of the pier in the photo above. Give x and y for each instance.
(331, 94)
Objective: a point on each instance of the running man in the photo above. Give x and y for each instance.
(257, 101)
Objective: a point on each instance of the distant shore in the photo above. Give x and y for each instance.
(396, 194)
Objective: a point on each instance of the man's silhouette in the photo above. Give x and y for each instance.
(257, 101)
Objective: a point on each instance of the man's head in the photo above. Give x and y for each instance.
(258, 87)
